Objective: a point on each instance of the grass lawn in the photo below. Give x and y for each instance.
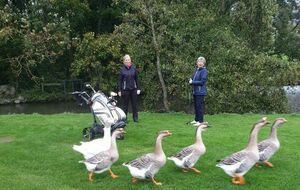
(36, 153)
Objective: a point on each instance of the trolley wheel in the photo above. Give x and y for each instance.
(120, 137)
(87, 134)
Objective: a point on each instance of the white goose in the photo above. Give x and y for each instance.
(149, 164)
(188, 156)
(104, 160)
(91, 148)
(269, 146)
(239, 163)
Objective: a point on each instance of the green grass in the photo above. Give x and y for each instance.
(36, 153)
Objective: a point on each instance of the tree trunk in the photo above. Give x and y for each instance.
(158, 67)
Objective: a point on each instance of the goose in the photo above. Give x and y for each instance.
(239, 163)
(269, 146)
(149, 164)
(91, 148)
(104, 160)
(188, 156)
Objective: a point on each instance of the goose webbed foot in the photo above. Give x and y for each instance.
(196, 170)
(155, 182)
(112, 174)
(268, 164)
(134, 180)
(257, 165)
(240, 180)
(91, 176)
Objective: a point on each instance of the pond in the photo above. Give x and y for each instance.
(44, 108)
(49, 108)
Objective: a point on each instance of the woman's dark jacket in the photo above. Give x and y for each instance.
(128, 79)
(199, 78)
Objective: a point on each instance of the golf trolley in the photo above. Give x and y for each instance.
(104, 109)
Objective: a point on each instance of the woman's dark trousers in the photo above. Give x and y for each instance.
(199, 107)
(130, 95)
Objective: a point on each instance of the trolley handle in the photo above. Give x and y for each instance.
(83, 95)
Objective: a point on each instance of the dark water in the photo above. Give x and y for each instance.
(49, 108)
(44, 108)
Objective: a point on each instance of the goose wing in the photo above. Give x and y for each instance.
(235, 158)
(266, 150)
(98, 162)
(98, 158)
(184, 153)
(191, 160)
(142, 162)
(91, 148)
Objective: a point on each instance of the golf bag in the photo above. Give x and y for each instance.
(104, 110)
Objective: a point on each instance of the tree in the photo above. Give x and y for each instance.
(253, 21)
(287, 36)
(96, 60)
(104, 16)
(10, 43)
(42, 36)
(147, 17)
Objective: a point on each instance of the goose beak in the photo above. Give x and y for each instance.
(197, 124)
(265, 120)
(207, 126)
(285, 120)
(169, 133)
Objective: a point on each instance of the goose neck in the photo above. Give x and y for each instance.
(252, 145)
(158, 147)
(273, 133)
(199, 137)
(107, 133)
(113, 145)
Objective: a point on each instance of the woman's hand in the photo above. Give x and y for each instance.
(120, 93)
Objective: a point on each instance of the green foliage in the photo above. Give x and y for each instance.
(97, 59)
(252, 47)
(252, 20)
(41, 38)
(11, 43)
(248, 83)
(287, 37)
(76, 12)
(240, 79)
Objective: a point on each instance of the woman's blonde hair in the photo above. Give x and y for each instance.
(126, 56)
(201, 59)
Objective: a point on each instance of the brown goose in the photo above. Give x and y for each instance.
(149, 164)
(269, 146)
(104, 160)
(239, 163)
(188, 156)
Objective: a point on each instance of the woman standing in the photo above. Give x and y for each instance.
(198, 81)
(129, 87)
